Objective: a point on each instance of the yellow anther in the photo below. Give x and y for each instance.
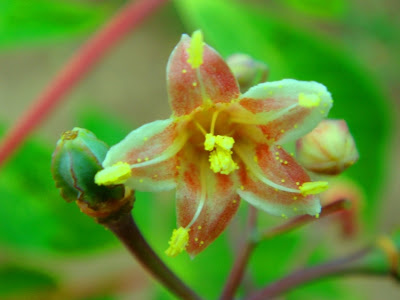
(184, 71)
(281, 161)
(284, 216)
(234, 201)
(294, 198)
(145, 138)
(155, 176)
(196, 50)
(146, 158)
(196, 239)
(242, 187)
(255, 158)
(282, 130)
(178, 241)
(225, 142)
(317, 216)
(194, 83)
(201, 243)
(139, 160)
(296, 126)
(116, 174)
(297, 183)
(198, 227)
(279, 147)
(311, 188)
(277, 157)
(140, 180)
(221, 156)
(276, 153)
(209, 143)
(221, 161)
(309, 100)
(283, 180)
(285, 162)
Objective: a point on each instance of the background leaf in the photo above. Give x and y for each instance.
(35, 21)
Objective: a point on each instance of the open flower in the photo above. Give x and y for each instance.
(219, 146)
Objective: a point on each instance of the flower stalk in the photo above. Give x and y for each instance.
(251, 243)
(126, 230)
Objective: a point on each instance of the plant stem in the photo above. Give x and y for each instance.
(129, 234)
(346, 265)
(302, 220)
(249, 245)
(239, 266)
(80, 64)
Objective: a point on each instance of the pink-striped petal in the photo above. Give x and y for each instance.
(284, 110)
(270, 180)
(151, 152)
(189, 88)
(196, 183)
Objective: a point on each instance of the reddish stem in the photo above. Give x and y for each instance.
(302, 220)
(238, 269)
(79, 65)
(346, 265)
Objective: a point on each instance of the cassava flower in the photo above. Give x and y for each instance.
(220, 146)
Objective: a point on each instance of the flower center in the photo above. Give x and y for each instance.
(221, 154)
(220, 147)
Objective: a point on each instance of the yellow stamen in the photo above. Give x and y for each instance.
(116, 174)
(178, 241)
(213, 121)
(221, 161)
(196, 50)
(312, 188)
(309, 100)
(221, 155)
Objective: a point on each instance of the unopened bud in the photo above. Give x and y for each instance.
(76, 160)
(248, 72)
(328, 149)
(349, 219)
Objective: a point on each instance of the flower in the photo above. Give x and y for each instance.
(328, 149)
(220, 146)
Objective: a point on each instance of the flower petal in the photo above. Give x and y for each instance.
(190, 87)
(286, 109)
(151, 152)
(196, 183)
(270, 180)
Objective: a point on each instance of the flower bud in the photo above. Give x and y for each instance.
(328, 149)
(248, 72)
(349, 219)
(76, 160)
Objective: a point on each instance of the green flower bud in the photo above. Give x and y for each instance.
(248, 72)
(76, 160)
(328, 149)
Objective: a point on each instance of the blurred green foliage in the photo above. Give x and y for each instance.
(37, 21)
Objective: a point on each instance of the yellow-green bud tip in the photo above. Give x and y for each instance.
(196, 50)
(178, 241)
(116, 174)
(312, 188)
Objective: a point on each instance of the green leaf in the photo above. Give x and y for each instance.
(26, 22)
(294, 53)
(17, 281)
(323, 9)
